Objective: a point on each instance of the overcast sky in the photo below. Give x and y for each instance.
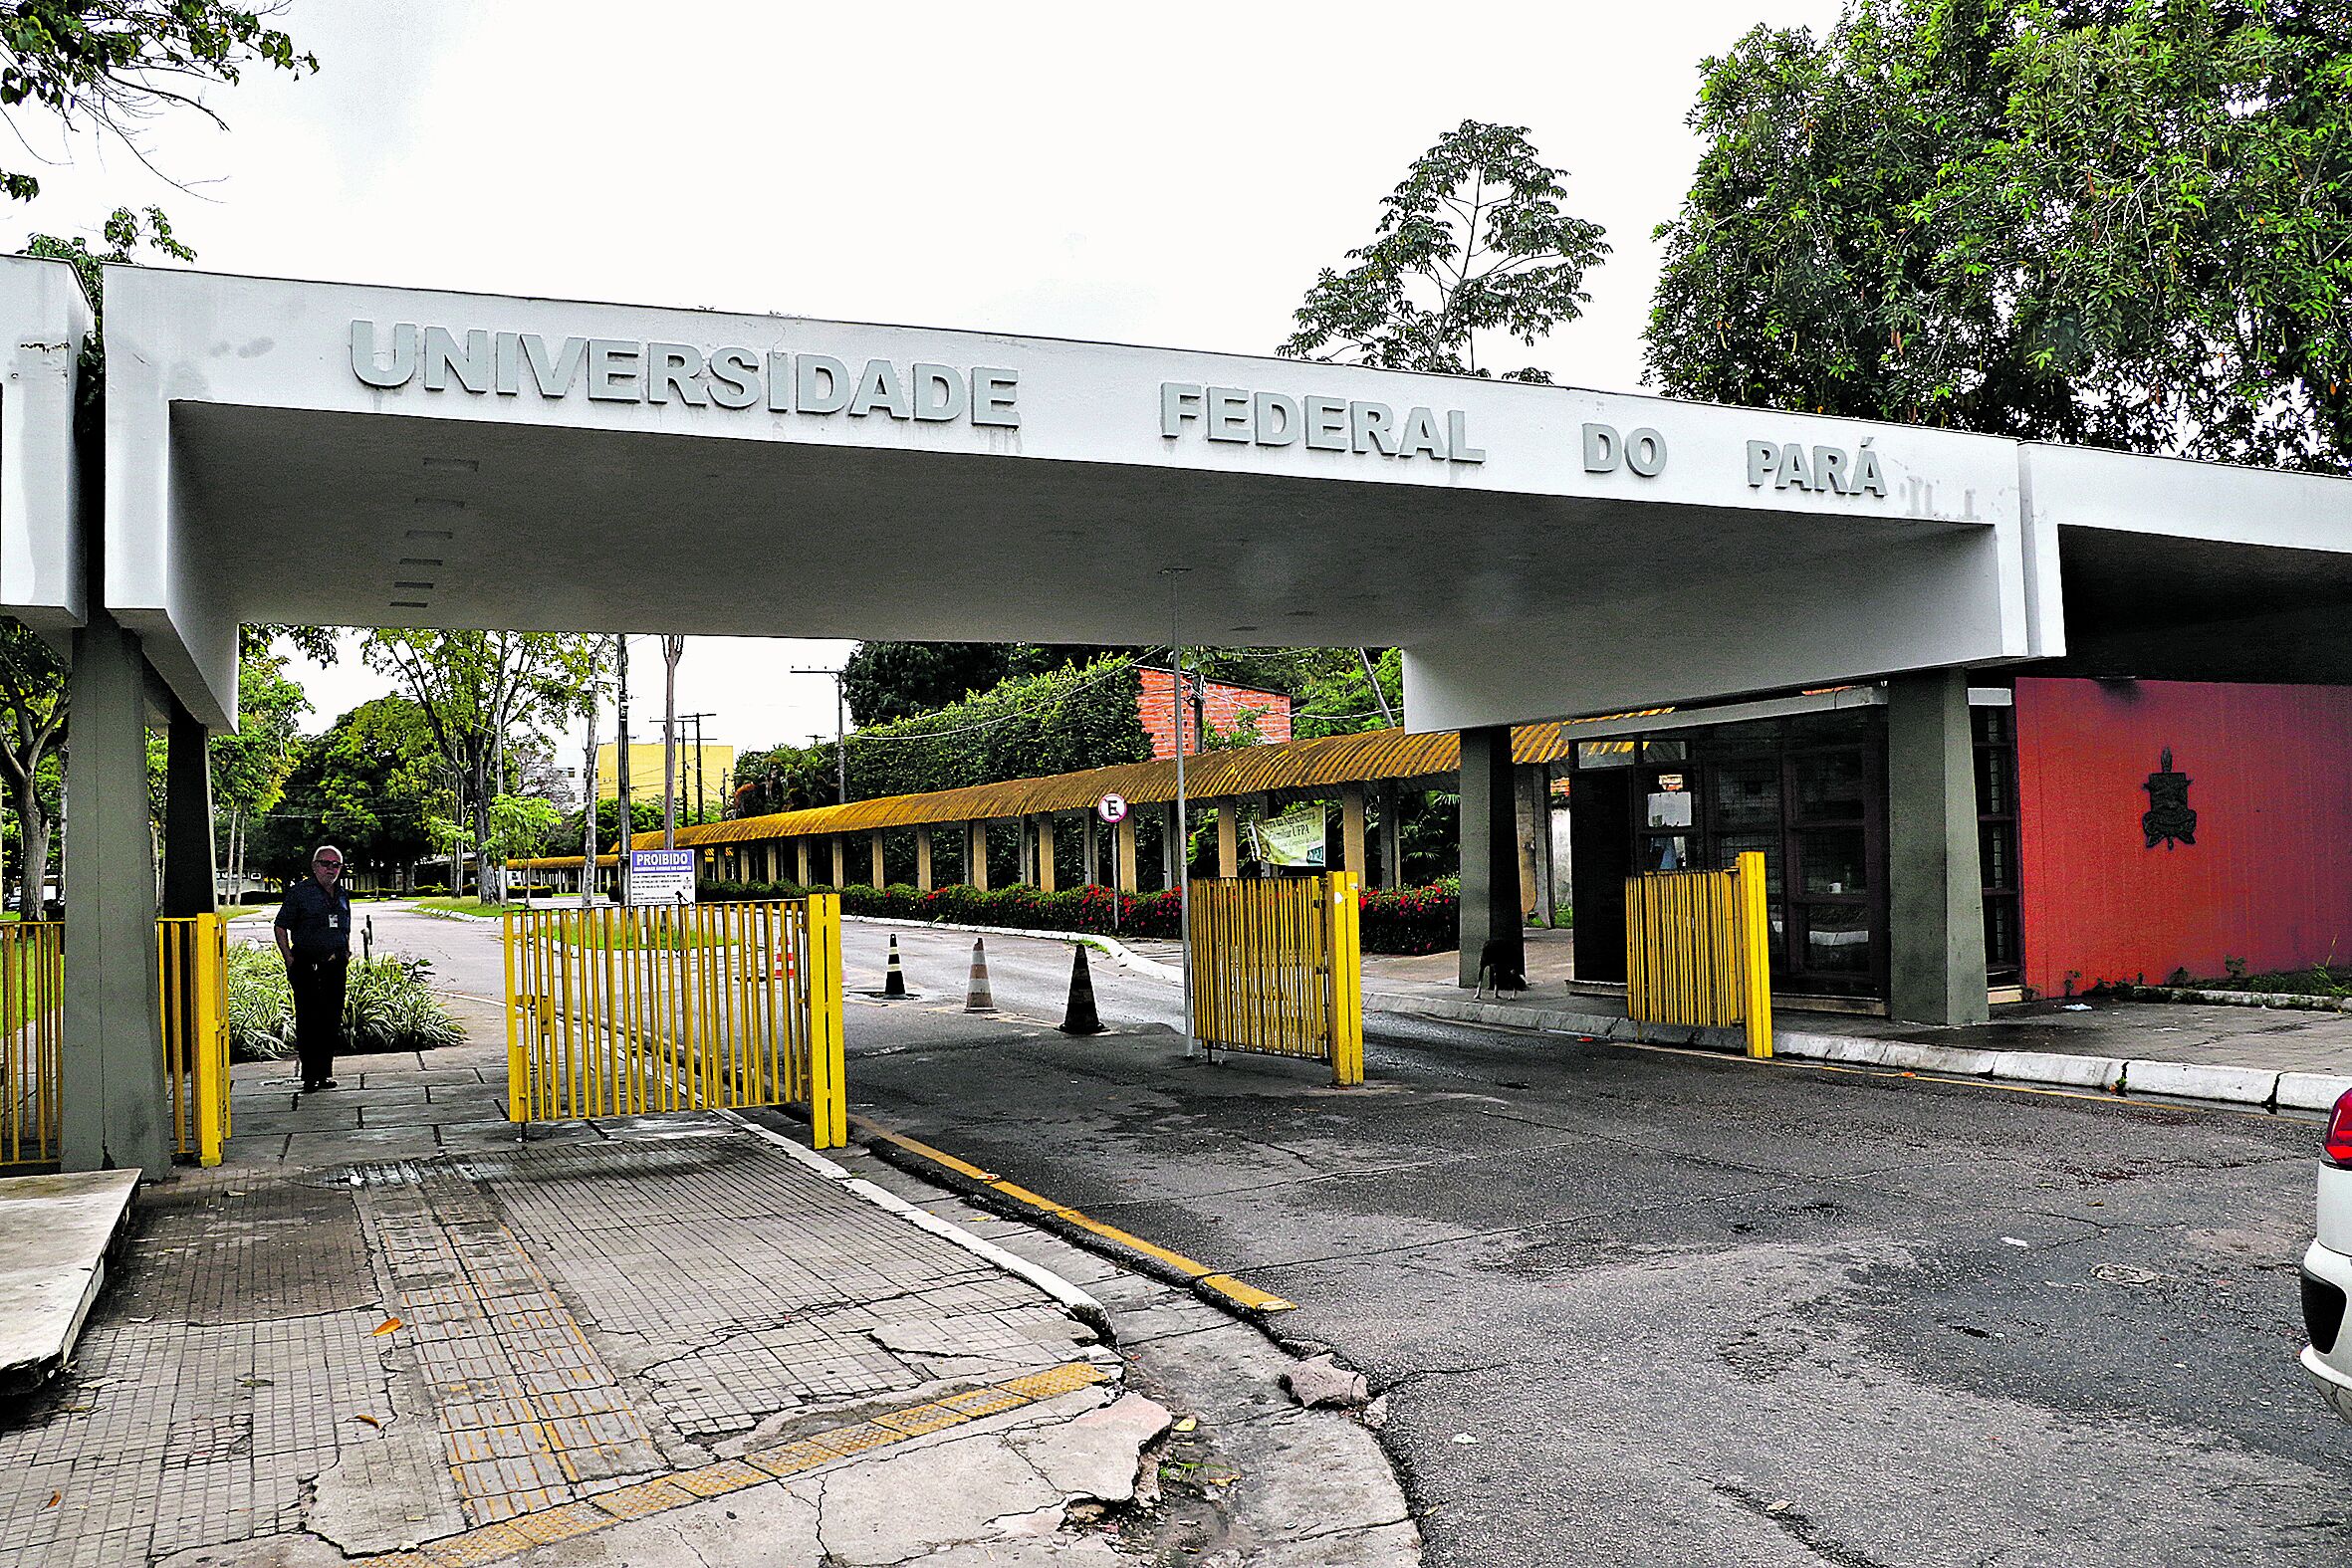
(1166, 176)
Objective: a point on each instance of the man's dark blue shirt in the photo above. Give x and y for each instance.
(320, 919)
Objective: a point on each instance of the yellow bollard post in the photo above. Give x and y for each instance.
(517, 1074)
(828, 1105)
(1756, 953)
(1344, 911)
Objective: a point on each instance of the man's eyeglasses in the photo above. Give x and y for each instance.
(332, 865)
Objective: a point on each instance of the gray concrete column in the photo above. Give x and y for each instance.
(1935, 890)
(115, 1115)
(1490, 851)
(1091, 847)
(191, 881)
(923, 858)
(976, 854)
(1392, 843)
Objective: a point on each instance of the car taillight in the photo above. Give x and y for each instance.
(2339, 1132)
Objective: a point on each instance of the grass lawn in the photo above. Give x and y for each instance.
(464, 906)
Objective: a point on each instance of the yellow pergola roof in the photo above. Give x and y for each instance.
(1323, 763)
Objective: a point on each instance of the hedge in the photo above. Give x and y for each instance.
(1412, 920)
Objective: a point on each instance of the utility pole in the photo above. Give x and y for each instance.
(672, 648)
(1175, 576)
(692, 772)
(587, 814)
(623, 818)
(841, 724)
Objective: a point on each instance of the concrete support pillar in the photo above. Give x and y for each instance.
(113, 1115)
(1539, 844)
(1351, 828)
(1124, 854)
(1229, 839)
(1171, 841)
(191, 883)
(1092, 852)
(1045, 855)
(775, 859)
(1935, 889)
(800, 853)
(976, 854)
(1490, 851)
(840, 861)
(879, 874)
(923, 858)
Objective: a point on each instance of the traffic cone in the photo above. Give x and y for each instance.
(976, 997)
(893, 980)
(1081, 1018)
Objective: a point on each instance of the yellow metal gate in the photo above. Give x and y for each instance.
(1698, 950)
(191, 992)
(630, 1011)
(1277, 967)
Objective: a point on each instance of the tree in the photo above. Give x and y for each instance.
(473, 688)
(888, 681)
(369, 785)
(1475, 240)
(2120, 222)
(31, 728)
(249, 768)
(113, 65)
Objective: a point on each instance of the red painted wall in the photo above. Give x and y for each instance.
(1221, 704)
(2269, 878)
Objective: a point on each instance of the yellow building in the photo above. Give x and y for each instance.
(716, 775)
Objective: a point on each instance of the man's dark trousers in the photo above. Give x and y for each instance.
(317, 1012)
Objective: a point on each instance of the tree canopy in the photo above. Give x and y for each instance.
(2122, 222)
(1474, 239)
(115, 65)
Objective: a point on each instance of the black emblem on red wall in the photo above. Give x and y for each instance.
(2168, 819)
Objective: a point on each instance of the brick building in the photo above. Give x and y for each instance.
(1222, 705)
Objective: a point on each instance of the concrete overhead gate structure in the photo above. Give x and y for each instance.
(278, 451)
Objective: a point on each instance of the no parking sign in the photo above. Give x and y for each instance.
(1111, 808)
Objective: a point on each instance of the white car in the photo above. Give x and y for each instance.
(2327, 1269)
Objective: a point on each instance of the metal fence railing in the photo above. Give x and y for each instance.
(1277, 967)
(1698, 950)
(191, 995)
(634, 1011)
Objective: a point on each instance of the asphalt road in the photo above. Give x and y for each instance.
(1646, 1307)
(1649, 1307)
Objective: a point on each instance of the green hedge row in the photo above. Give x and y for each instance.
(1413, 920)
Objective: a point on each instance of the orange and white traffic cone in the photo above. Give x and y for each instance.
(977, 996)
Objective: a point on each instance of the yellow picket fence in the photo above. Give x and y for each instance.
(1698, 950)
(635, 1012)
(1276, 968)
(192, 992)
(192, 984)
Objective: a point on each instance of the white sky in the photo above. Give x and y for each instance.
(1163, 175)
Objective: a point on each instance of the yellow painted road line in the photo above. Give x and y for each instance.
(508, 1539)
(1245, 1296)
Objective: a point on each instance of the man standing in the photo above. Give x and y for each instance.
(314, 928)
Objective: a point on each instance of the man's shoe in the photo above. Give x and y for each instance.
(308, 1087)
(325, 1084)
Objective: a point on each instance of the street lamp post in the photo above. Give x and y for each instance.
(1175, 575)
(840, 724)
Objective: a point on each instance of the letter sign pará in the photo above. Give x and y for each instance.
(1763, 460)
(369, 367)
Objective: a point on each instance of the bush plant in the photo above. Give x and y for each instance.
(1410, 920)
(388, 1005)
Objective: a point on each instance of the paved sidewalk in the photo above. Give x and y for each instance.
(391, 1331)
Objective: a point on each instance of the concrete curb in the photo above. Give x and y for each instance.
(1110, 947)
(2282, 1001)
(2259, 1088)
(1081, 1305)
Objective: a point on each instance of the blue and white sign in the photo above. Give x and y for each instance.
(661, 876)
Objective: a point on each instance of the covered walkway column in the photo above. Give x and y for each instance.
(1229, 839)
(1125, 854)
(976, 854)
(879, 877)
(1490, 851)
(1935, 889)
(1351, 829)
(801, 848)
(923, 858)
(1045, 854)
(114, 1112)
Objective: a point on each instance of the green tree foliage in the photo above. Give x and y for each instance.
(113, 65)
(2124, 222)
(1058, 721)
(32, 729)
(524, 826)
(474, 689)
(249, 768)
(1474, 239)
(370, 784)
(888, 681)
